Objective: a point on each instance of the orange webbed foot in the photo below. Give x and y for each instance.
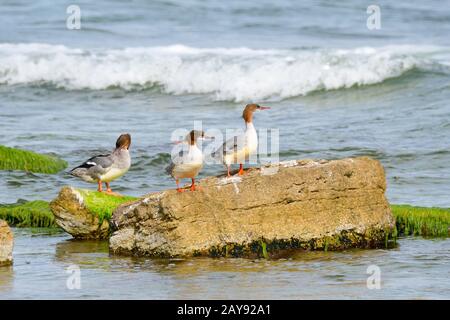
(195, 188)
(112, 193)
(241, 170)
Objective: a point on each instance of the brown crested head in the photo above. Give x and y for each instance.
(192, 136)
(247, 114)
(124, 141)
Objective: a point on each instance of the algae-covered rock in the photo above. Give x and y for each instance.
(28, 214)
(85, 214)
(16, 159)
(6, 244)
(326, 205)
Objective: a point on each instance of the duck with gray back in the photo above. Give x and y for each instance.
(239, 148)
(106, 167)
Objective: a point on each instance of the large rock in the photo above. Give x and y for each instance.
(300, 204)
(6, 244)
(74, 216)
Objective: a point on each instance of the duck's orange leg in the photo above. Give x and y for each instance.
(110, 192)
(100, 187)
(195, 187)
(241, 169)
(228, 170)
(178, 185)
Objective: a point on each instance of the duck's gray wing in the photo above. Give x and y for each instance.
(174, 161)
(94, 167)
(169, 168)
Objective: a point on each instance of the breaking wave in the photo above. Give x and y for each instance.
(234, 74)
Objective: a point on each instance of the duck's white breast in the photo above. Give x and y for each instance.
(113, 174)
(250, 147)
(189, 170)
(190, 164)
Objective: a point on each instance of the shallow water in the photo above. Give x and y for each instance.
(416, 269)
(336, 90)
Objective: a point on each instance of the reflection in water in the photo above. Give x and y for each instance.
(83, 253)
(66, 249)
(417, 268)
(6, 278)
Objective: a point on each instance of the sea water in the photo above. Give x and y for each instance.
(336, 87)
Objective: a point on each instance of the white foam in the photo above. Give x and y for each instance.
(236, 74)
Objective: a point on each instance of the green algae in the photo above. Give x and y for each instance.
(421, 221)
(264, 250)
(102, 204)
(16, 159)
(28, 214)
(25, 214)
(276, 248)
(325, 248)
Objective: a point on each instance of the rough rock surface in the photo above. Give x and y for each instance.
(6, 244)
(304, 204)
(72, 215)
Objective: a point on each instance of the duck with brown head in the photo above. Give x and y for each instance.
(240, 147)
(106, 167)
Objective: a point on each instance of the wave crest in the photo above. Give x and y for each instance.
(236, 74)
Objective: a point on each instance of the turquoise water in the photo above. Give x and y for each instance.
(336, 88)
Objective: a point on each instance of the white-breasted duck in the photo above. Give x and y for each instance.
(240, 147)
(189, 161)
(106, 167)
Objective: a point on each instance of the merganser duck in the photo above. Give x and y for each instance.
(106, 167)
(240, 147)
(189, 161)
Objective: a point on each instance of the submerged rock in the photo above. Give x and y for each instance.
(6, 244)
(327, 205)
(83, 213)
